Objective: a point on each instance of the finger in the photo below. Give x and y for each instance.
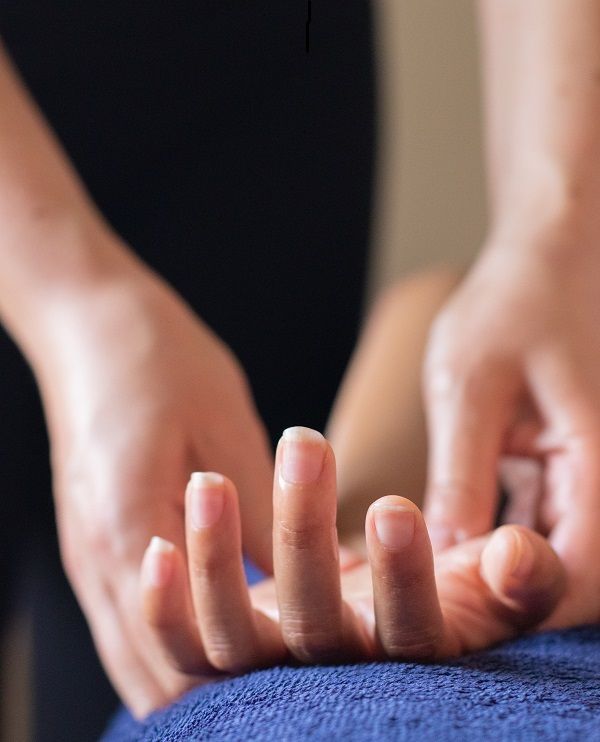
(524, 575)
(494, 587)
(315, 624)
(575, 539)
(568, 396)
(251, 468)
(467, 418)
(234, 636)
(128, 671)
(168, 610)
(407, 611)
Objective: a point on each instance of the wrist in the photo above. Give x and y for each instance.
(82, 269)
(549, 208)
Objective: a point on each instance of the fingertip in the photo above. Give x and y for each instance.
(393, 520)
(205, 499)
(523, 571)
(304, 458)
(394, 501)
(158, 563)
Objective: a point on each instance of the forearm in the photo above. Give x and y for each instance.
(52, 238)
(541, 68)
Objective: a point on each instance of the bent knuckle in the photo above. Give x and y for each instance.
(452, 378)
(315, 646)
(188, 665)
(418, 644)
(311, 640)
(161, 621)
(224, 656)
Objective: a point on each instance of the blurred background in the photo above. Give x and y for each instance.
(429, 202)
(412, 120)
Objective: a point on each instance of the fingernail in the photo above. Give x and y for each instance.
(158, 569)
(523, 556)
(395, 525)
(206, 498)
(302, 456)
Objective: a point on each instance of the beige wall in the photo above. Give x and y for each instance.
(429, 199)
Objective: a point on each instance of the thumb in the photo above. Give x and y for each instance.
(524, 574)
(467, 415)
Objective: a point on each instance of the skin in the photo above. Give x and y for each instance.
(552, 485)
(393, 605)
(377, 424)
(511, 365)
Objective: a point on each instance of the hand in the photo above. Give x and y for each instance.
(207, 621)
(513, 367)
(138, 391)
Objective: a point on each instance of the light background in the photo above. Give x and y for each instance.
(429, 203)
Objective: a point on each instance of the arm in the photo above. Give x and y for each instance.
(541, 70)
(53, 239)
(137, 392)
(512, 365)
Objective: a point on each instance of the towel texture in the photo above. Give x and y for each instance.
(542, 687)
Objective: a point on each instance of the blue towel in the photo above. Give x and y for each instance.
(540, 687)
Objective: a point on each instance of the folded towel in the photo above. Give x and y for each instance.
(540, 687)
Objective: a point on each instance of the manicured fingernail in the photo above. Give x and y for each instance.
(523, 556)
(395, 525)
(206, 498)
(302, 456)
(159, 569)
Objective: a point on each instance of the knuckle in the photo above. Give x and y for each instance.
(301, 538)
(188, 665)
(204, 573)
(161, 621)
(105, 535)
(314, 648)
(311, 644)
(450, 377)
(418, 644)
(398, 583)
(442, 369)
(100, 536)
(208, 569)
(224, 656)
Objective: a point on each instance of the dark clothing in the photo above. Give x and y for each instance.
(239, 166)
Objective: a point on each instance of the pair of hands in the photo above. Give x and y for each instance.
(320, 607)
(143, 393)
